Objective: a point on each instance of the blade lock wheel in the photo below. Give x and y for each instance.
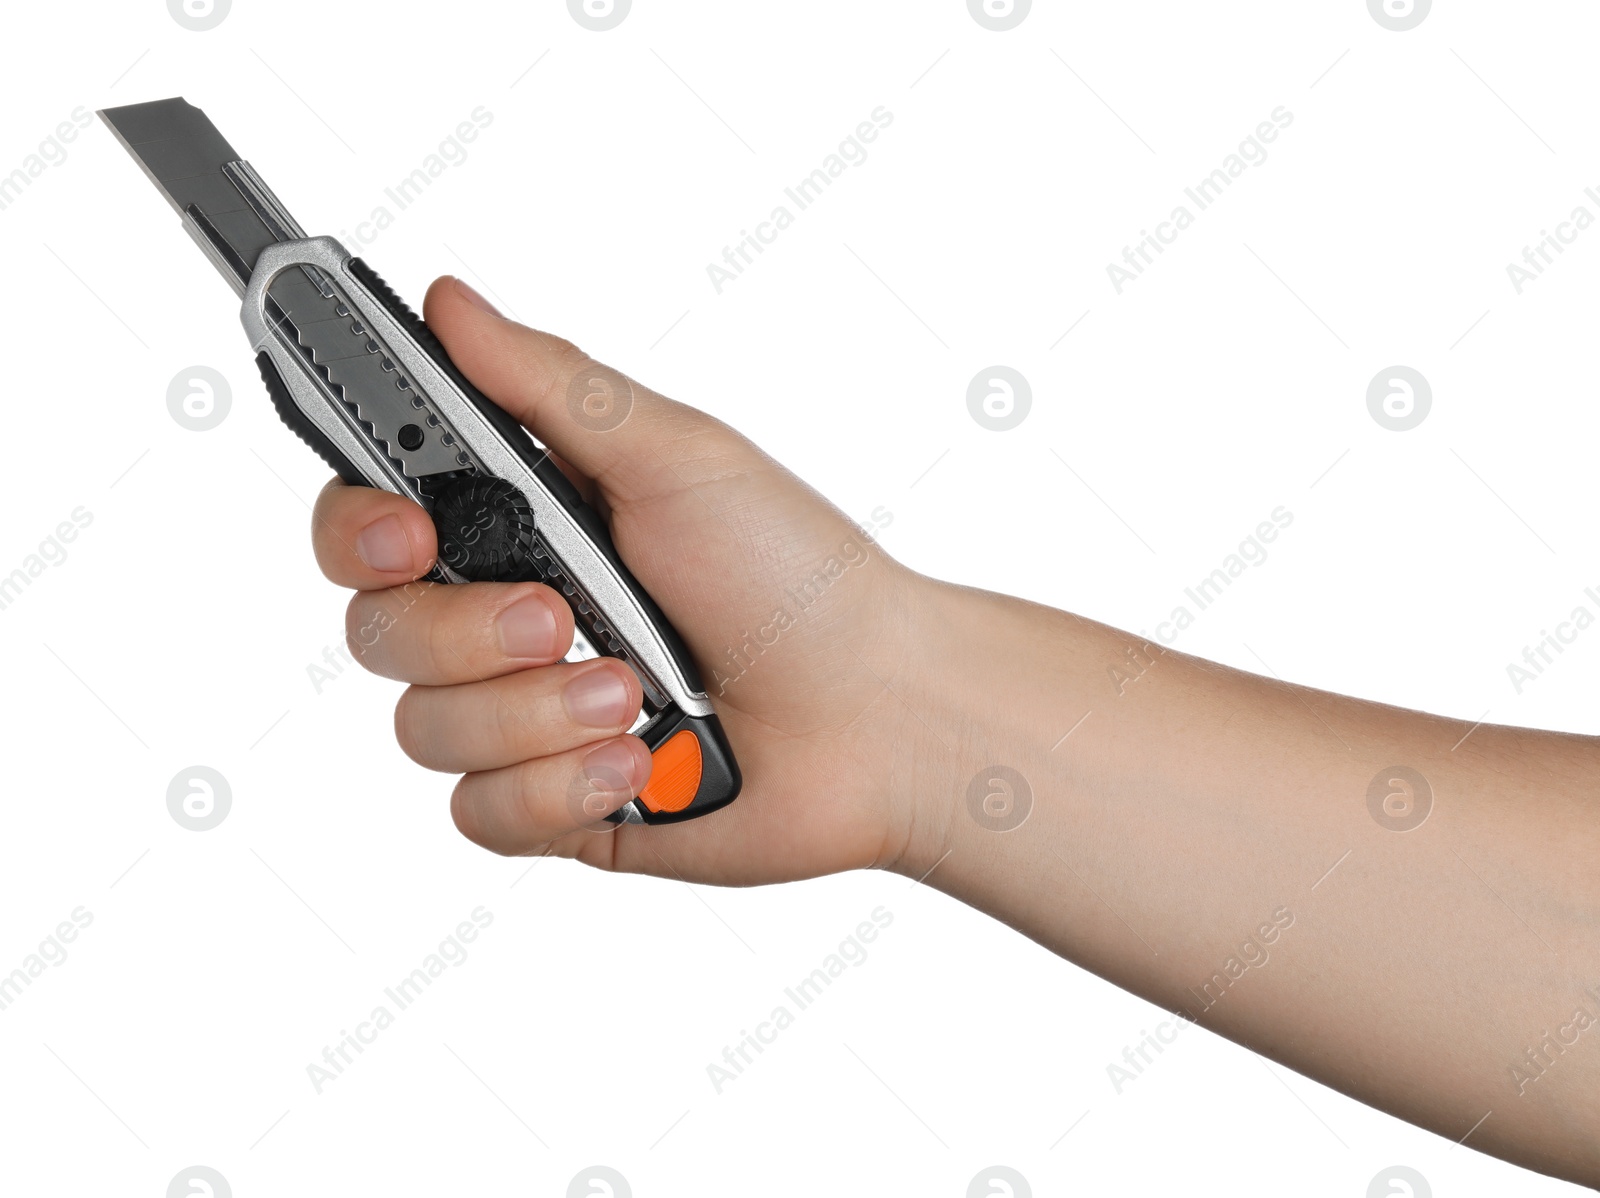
(485, 529)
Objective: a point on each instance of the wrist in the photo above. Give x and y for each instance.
(998, 690)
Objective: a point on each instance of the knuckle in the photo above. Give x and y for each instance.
(464, 813)
(409, 726)
(565, 357)
(355, 617)
(564, 362)
(366, 620)
(439, 646)
(512, 727)
(322, 508)
(527, 795)
(461, 634)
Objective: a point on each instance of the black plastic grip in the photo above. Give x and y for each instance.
(720, 779)
(537, 459)
(300, 424)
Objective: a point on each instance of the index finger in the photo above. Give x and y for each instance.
(370, 539)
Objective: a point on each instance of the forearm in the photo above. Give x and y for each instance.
(1197, 835)
(1204, 838)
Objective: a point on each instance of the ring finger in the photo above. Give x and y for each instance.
(489, 724)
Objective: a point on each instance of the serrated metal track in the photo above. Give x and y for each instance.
(364, 375)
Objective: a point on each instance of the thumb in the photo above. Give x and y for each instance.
(635, 444)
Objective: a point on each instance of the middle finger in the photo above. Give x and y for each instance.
(438, 634)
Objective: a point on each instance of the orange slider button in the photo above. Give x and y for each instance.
(675, 774)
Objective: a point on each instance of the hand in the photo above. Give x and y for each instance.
(802, 627)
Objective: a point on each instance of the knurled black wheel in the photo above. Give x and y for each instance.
(485, 528)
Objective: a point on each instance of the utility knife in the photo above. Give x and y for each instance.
(363, 382)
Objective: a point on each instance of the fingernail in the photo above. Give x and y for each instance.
(527, 629)
(383, 546)
(611, 767)
(476, 300)
(599, 698)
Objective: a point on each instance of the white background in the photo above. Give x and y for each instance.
(1228, 380)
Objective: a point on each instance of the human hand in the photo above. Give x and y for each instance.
(804, 630)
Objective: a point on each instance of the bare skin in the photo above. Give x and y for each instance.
(1202, 837)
